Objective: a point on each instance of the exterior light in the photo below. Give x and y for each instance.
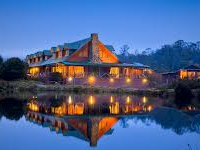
(111, 80)
(70, 79)
(91, 100)
(111, 99)
(128, 80)
(91, 79)
(144, 80)
(149, 108)
(144, 99)
(70, 99)
(34, 97)
(128, 100)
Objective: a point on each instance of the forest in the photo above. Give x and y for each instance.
(169, 57)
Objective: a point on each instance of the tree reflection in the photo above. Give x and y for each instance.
(11, 108)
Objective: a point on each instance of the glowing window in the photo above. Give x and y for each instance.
(114, 71)
(76, 71)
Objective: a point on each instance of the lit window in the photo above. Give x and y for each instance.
(76, 71)
(114, 71)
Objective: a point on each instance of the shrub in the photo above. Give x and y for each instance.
(193, 84)
(55, 76)
(183, 94)
(13, 69)
(198, 96)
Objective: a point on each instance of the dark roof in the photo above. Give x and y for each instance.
(53, 48)
(76, 44)
(47, 52)
(49, 61)
(191, 67)
(60, 47)
(110, 47)
(86, 63)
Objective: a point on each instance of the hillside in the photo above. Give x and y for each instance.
(168, 58)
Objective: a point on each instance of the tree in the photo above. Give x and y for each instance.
(13, 69)
(1, 60)
(11, 108)
(124, 50)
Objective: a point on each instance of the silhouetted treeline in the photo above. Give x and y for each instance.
(168, 58)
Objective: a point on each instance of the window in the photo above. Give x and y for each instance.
(34, 70)
(76, 71)
(114, 71)
(63, 53)
(57, 54)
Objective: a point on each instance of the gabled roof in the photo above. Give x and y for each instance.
(87, 63)
(191, 67)
(53, 48)
(47, 52)
(49, 61)
(60, 47)
(77, 44)
(110, 47)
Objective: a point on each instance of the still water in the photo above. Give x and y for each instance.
(79, 121)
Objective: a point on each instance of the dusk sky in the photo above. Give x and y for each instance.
(29, 26)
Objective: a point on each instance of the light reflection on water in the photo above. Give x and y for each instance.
(102, 121)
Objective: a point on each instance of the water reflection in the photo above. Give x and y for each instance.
(89, 117)
(92, 105)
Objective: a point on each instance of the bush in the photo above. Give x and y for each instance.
(193, 84)
(198, 96)
(13, 69)
(55, 76)
(183, 94)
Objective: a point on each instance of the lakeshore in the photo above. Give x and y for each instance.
(36, 86)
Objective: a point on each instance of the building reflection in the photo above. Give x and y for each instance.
(85, 117)
(92, 105)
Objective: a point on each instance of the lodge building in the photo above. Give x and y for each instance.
(190, 72)
(82, 59)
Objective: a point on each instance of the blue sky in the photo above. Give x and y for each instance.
(28, 26)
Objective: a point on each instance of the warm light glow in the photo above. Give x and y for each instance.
(128, 99)
(111, 99)
(128, 80)
(114, 71)
(70, 79)
(33, 107)
(149, 108)
(34, 70)
(91, 100)
(111, 80)
(144, 99)
(35, 97)
(76, 71)
(70, 99)
(144, 80)
(91, 79)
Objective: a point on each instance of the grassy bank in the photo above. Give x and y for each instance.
(35, 86)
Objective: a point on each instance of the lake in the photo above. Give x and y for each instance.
(92, 121)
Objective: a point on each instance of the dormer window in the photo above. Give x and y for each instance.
(57, 54)
(63, 53)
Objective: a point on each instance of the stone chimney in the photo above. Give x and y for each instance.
(95, 49)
